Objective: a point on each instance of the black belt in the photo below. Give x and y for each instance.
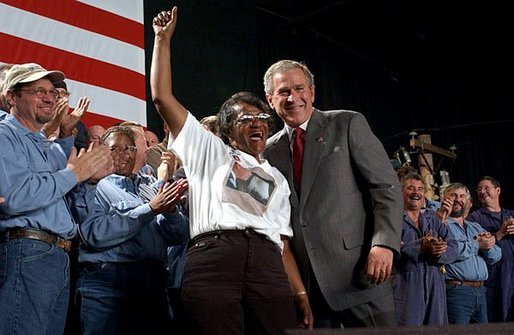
(226, 232)
(39, 235)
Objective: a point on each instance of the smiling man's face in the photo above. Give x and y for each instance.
(292, 97)
(33, 110)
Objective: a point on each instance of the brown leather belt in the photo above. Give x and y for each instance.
(465, 283)
(38, 235)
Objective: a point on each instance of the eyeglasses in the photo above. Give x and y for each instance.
(125, 148)
(64, 94)
(246, 118)
(41, 92)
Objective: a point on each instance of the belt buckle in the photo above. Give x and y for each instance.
(63, 244)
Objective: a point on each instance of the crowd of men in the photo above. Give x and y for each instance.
(95, 222)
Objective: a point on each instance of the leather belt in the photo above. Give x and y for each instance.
(39, 235)
(465, 283)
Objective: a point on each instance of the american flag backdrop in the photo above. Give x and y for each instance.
(98, 44)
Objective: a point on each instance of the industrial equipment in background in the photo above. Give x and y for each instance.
(435, 176)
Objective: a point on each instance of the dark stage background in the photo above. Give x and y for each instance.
(442, 68)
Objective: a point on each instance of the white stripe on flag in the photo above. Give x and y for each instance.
(108, 102)
(53, 33)
(130, 9)
(101, 67)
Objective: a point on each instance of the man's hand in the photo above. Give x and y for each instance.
(168, 196)
(432, 246)
(485, 240)
(165, 169)
(506, 228)
(445, 210)
(70, 121)
(87, 163)
(109, 167)
(51, 127)
(379, 264)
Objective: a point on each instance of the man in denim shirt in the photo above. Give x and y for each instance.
(122, 260)
(465, 290)
(35, 222)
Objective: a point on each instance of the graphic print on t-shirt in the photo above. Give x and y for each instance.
(249, 189)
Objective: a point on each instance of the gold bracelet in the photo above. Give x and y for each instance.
(300, 293)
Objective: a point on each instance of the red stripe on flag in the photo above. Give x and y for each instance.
(90, 119)
(86, 17)
(75, 67)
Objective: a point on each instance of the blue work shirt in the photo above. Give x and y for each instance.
(78, 200)
(471, 263)
(34, 180)
(120, 225)
(3, 114)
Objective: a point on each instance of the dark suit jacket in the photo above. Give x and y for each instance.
(350, 201)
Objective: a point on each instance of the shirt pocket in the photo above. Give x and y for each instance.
(35, 162)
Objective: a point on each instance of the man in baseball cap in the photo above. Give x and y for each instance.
(27, 73)
(36, 223)
(30, 94)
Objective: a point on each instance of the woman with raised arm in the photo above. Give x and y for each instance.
(240, 276)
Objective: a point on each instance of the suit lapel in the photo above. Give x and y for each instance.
(314, 145)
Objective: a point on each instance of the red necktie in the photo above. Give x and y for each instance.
(298, 141)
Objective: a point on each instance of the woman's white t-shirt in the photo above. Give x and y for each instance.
(229, 189)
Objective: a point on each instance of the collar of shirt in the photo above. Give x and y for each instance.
(127, 183)
(3, 114)
(289, 130)
(24, 131)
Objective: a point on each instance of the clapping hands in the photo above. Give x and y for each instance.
(168, 196)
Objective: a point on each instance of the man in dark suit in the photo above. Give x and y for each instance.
(347, 208)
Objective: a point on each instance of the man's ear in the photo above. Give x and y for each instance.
(10, 98)
(269, 99)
